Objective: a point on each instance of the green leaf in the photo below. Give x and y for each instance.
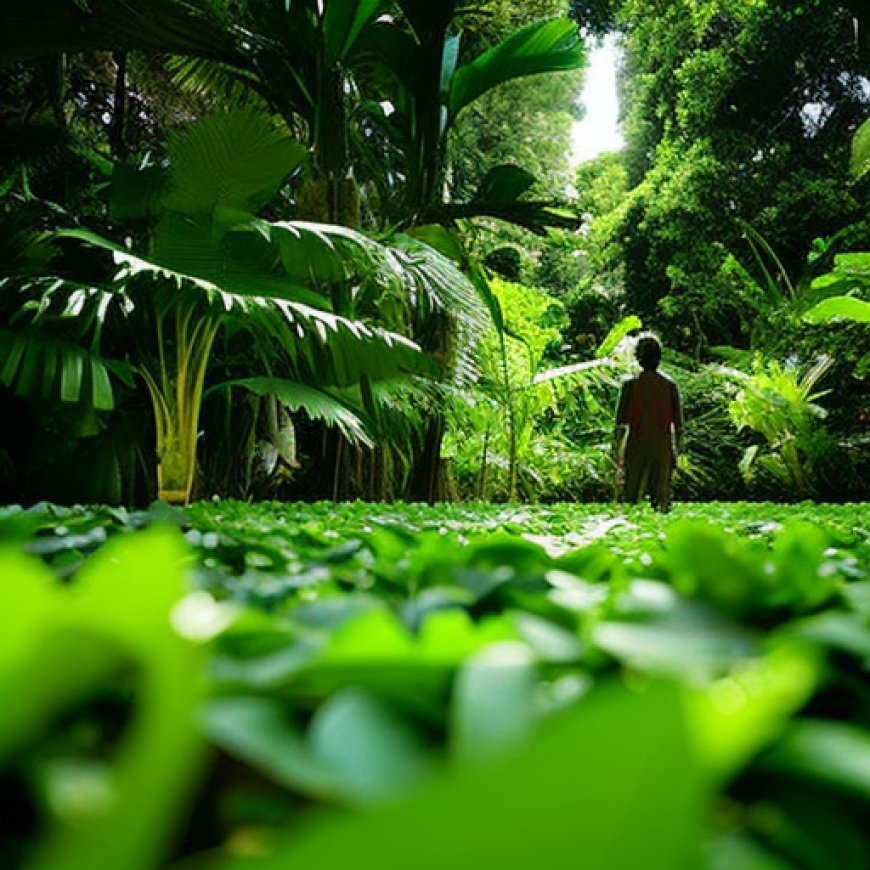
(71, 374)
(136, 190)
(544, 46)
(343, 22)
(747, 709)
(571, 370)
(860, 160)
(370, 751)
(617, 333)
(678, 637)
(101, 386)
(563, 801)
(503, 185)
(229, 159)
(73, 640)
(493, 708)
(316, 403)
(834, 753)
(261, 732)
(839, 307)
(48, 27)
(12, 349)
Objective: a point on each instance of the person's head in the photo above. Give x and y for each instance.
(648, 352)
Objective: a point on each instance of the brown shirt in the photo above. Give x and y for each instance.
(650, 403)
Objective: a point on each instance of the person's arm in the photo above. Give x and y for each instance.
(620, 430)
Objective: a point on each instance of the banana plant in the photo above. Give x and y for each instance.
(209, 264)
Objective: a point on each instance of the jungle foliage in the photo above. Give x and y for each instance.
(237, 685)
(375, 198)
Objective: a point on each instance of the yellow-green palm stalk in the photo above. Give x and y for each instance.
(176, 396)
(299, 289)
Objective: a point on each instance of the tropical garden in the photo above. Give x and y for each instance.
(311, 337)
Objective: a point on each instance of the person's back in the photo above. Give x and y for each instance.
(650, 409)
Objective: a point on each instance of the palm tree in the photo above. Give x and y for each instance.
(208, 264)
(307, 59)
(319, 64)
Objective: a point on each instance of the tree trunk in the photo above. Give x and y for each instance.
(116, 128)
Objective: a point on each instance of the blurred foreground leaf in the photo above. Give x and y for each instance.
(611, 783)
(67, 642)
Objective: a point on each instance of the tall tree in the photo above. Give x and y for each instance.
(735, 113)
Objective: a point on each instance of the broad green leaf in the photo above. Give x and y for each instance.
(705, 562)
(503, 185)
(843, 632)
(29, 594)
(136, 190)
(686, 640)
(12, 349)
(544, 46)
(727, 851)
(440, 238)
(343, 21)
(493, 708)
(856, 263)
(101, 386)
(800, 564)
(118, 614)
(839, 307)
(449, 60)
(548, 641)
(261, 732)
(448, 637)
(562, 801)
(51, 27)
(371, 752)
(71, 374)
(834, 753)
(746, 710)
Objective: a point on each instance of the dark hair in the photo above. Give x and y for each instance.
(648, 352)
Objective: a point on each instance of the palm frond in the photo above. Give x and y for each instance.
(573, 370)
(617, 333)
(44, 27)
(39, 365)
(318, 404)
(231, 160)
(206, 77)
(343, 22)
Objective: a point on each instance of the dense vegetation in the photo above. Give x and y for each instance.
(560, 685)
(276, 273)
(252, 249)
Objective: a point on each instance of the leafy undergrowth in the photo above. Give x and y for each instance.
(327, 686)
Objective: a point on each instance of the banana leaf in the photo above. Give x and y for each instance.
(540, 47)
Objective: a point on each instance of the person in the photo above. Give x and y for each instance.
(650, 414)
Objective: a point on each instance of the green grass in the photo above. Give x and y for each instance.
(467, 685)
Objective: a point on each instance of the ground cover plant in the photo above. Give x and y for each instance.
(233, 685)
